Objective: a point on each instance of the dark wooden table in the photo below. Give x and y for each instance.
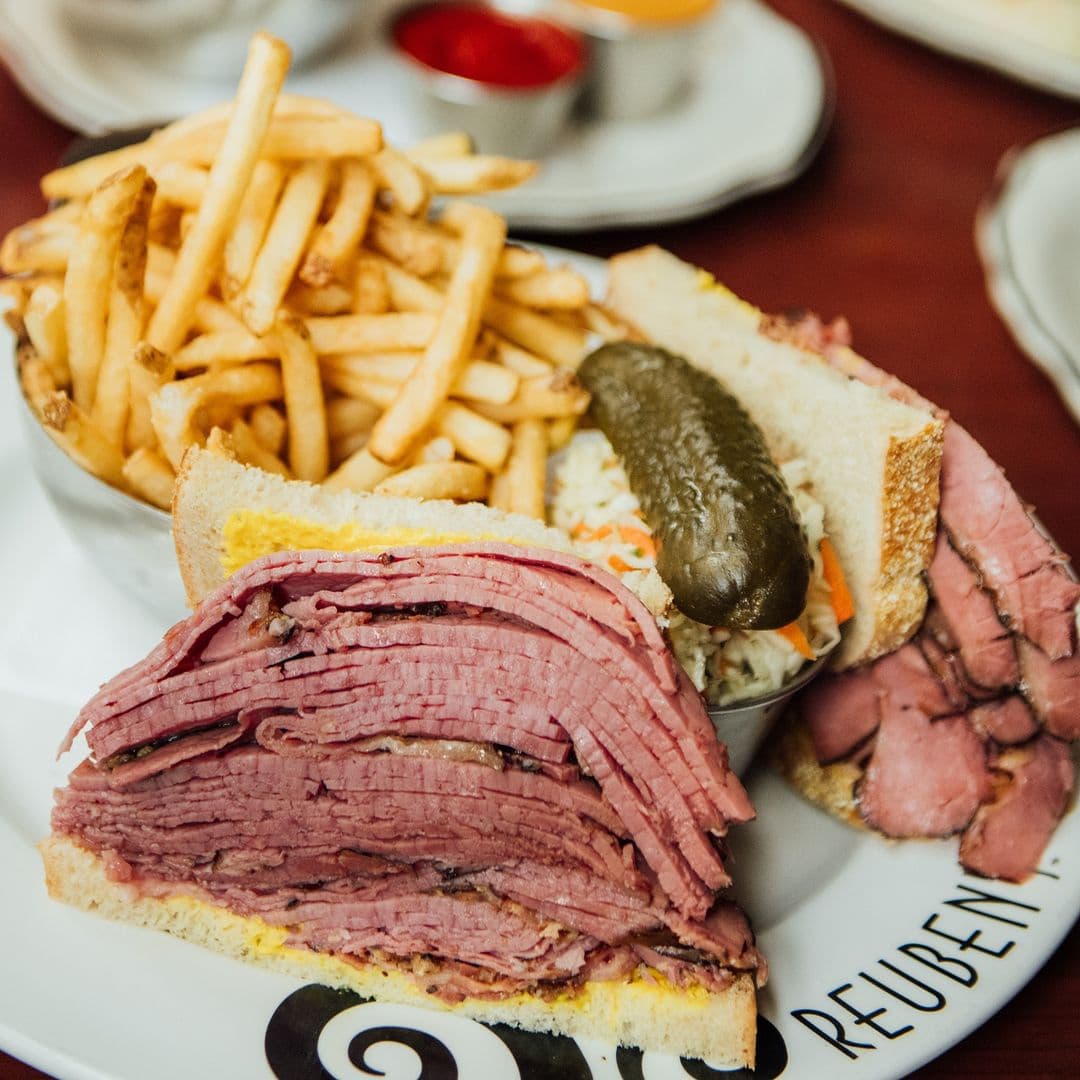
(880, 230)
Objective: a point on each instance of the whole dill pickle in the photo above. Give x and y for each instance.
(731, 548)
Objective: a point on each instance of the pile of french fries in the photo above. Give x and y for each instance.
(264, 278)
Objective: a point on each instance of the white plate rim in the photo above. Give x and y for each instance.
(1009, 292)
(959, 34)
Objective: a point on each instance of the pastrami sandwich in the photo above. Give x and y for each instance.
(468, 776)
(963, 688)
(966, 729)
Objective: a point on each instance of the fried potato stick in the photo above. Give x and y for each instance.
(149, 370)
(89, 276)
(43, 318)
(269, 426)
(174, 407)
(348, 416)
(526, 469)
(249, 449)
(371, 294)
(127, 313)
(458, 480)
(412, 244)
(181, 183)
(150, 476)
(249, 229)
(218, 346)
(38, 247)
(74, 431)
(264, 72)
(284, 244)
(407, 183)
(543, 335)
(527, 365)
(305, 408)
(479, 380)
(558, 289)
(386, 332)
(475, 174)
(339, 238)
(474, 436)
(291, 138)
(547, 397)
(35, 378)
(360, 472)
(80, 178)
(483, 235)
(331, 299)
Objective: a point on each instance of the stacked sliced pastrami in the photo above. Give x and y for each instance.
(966, 729)
(478, 763)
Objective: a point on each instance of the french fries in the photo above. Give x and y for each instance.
(150, 476)
(284, 244)
(126, 315)
(264, 278)
(328, 255)
(483, 234)
(437, 480)
(305, 409)
(43, 318)
(264, 72)
(251, 224)
(89, 274)
(525, 468)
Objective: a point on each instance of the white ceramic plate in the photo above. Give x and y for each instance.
(1035, 41)
(753, 118)
(1028, 235)
(852, 926)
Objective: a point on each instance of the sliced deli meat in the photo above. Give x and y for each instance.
(991, 527)
(971, 740)
(477, 760)
(1052, 687)
(1009, 834)
(926, 777)
(969, 621)
(1007, 720)
(841, 712)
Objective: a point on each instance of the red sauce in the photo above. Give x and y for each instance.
(476, 42)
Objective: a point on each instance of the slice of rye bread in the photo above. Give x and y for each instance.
(875, 462)
(217, 501)
(211, 489)
(643, 1010)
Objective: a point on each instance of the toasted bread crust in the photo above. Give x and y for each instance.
(910, 495)
(697, 1023)
(832, 787)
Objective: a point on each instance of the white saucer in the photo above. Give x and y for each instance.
(752, 119)
(1034, 41)
(1028, 235)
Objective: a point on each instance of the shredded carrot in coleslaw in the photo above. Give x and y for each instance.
(640, 539)
(840, 595)
(793, 634)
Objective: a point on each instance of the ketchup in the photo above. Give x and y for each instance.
(476, 42)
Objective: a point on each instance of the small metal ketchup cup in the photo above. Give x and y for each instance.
(508, 80)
